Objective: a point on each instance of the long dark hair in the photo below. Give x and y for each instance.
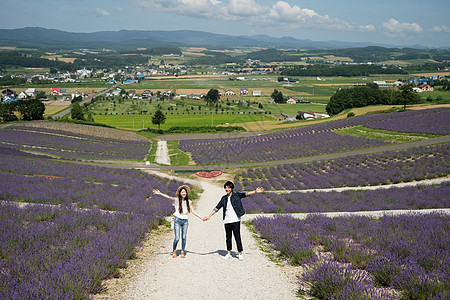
(180, 201)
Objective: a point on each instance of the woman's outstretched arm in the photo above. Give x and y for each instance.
(157, 192)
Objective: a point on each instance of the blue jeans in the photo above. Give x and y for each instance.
(177, 225)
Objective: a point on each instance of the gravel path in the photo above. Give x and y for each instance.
(203, 274)
(162, 153)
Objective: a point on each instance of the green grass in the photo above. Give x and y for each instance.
(396, 137)
(145, 121)
(292, 109)
(445, 95)
(26, 71)
(177, 157)
(152, 153)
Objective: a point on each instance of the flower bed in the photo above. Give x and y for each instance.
(359, 170)
(59, 253)
(81, 185)
(70, 145)
(208, 174)
(88, 220)
(436, 123)
(419, 197)
(406, 256)
(307, 141)
(268, 149)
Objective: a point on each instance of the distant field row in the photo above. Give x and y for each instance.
(145, 121)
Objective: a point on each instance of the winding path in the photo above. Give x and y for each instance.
(203, 274)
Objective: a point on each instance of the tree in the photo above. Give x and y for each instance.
(30, 109)
(407, 95)
(277, 96)
(358, 96)
(90, 118)
(7, 112)
(76, 112)
(158, 118)
(77, 99)
(40, 95)
(212, 96)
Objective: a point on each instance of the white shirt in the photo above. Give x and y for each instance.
(184, 212)
(230, 214)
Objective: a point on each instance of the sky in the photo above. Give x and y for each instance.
(393, 22)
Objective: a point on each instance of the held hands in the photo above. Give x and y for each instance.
(205, 218)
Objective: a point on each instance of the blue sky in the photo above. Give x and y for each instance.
(394, 22)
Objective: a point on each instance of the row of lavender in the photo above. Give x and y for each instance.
(394, 257)
(14, 161)
(257, 149)
(314, 139)
(389, 167)
(418, 197)
(69, 145)
(60, 251)
(47, 181)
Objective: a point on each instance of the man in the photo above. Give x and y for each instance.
(232, 213)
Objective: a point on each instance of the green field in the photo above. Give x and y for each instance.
(292, 109)
(396, 137)
(445, 95)
(145, 121)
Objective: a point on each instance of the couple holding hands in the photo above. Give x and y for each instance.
(232, 213)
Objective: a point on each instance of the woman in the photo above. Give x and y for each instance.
(183, 206)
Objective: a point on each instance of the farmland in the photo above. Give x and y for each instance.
(305, 141)
(363, 263)
(103, 210)
(75, 209)
(78, 223)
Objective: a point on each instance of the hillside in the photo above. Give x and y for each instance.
(131, 39)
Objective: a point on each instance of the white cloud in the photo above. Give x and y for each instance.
(281, 13)
(296, 17)
(198, 8)
(394, 28)
(245, 8)
(441, 28)
(101, 12)
(369, 27)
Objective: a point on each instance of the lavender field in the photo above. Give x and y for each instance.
(393, 257)
(389, 167)
(435, 121)
(69, 145)
(419, 197)
(314, 139)
(88, 222)
(47, 181)
(61, 253)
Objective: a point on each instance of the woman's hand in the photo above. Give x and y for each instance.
(259, 190)
(156, 192)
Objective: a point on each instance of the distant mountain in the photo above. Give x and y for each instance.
(131, 39)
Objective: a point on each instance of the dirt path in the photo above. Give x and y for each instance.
(162, 153)
(203, 274)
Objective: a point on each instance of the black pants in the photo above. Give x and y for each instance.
(230, 229)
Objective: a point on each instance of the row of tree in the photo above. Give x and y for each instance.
(340, 70)
(361, 96)
(27, 110)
